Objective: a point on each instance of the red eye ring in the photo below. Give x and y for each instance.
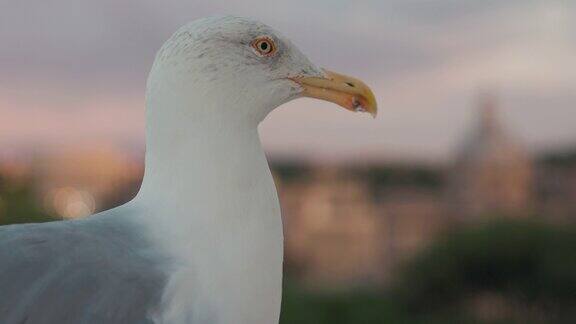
(264, 46)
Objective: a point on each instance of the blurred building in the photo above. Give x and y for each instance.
(493, 174)
(413, 216)
(333, 232)
(343, 232)
(556, 189)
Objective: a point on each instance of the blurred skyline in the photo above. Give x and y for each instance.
(74, 72)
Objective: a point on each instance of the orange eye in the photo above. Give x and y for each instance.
(264, 46)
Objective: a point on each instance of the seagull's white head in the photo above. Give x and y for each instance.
(236, 69)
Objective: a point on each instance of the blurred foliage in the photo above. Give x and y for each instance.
(356, 307)
(526, 268)
(564, 158)
(17, 203)
(378, 176)
(405, 175)
(289, 172)
(304, 307)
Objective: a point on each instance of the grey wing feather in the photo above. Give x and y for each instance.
(99, 270)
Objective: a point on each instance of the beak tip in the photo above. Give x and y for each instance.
(373, 113)
(345, 91)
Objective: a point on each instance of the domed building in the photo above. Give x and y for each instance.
(493, 174)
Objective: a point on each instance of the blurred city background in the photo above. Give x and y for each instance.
(456, 205)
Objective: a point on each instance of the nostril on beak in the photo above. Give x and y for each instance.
(350, 84)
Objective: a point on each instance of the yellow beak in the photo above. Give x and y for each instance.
(343, 90)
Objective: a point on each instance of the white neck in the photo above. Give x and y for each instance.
(209, 199)
(200, 162)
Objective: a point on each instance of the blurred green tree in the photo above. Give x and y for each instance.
(18, 205)
(507, 271)
(362, 307)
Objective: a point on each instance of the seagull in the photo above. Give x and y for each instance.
(202, 241)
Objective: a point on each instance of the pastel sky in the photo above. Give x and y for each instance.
(73, 72)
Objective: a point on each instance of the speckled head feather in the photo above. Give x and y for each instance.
(213, 57)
